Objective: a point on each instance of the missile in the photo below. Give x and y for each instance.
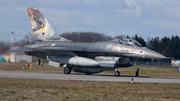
(78, 61)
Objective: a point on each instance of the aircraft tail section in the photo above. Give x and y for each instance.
(41, 27)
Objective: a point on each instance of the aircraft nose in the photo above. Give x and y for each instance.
(154, 55)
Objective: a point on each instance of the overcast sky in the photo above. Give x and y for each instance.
(147, 18)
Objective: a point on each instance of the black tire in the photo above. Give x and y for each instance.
(67, 70)
(88, 73)
(117, 73)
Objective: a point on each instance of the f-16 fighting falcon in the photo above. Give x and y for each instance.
(85, 57)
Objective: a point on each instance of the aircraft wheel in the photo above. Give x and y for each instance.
(88, 73)
(67, 70)
(117, 73)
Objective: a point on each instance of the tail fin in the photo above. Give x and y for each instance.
(41, 27)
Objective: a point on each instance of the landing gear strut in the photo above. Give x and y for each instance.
(88, 73)
(67, 70)
(117, 73)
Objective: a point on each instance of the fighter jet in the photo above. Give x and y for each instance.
(85, 57)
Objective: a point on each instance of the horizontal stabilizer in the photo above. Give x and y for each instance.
(20, 50)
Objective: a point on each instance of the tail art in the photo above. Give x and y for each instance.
(41, 27)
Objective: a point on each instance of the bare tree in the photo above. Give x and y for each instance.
(4, 46)
(24, 41)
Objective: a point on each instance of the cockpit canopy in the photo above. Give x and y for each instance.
(129, 42)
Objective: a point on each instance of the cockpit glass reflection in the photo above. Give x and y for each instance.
(129, 42)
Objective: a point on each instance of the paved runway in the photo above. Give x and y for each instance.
(94, 77)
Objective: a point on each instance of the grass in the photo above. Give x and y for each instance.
(68, 90)
(156, 71)
(62, 90)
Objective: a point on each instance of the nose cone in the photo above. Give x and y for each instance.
(154, 55)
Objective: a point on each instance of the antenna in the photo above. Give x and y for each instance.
(12, 38)
(29, 37)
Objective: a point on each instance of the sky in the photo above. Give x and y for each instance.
(147, 18)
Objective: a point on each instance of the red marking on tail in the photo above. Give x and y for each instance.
(29, 8)
(35, 12)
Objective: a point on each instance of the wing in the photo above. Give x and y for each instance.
(58, 49)
(20, 50)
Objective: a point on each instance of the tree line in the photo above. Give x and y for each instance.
(86, 36)
(6, 45)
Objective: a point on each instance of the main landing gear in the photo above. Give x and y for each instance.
(88, 73)
(117, 73)
(67, 70)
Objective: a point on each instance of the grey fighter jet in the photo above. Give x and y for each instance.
(85, 57)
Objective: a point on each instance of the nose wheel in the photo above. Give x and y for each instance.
(117, 73)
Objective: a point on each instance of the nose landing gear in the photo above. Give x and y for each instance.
(117, 73)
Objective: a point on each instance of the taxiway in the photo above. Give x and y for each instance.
(93, 77)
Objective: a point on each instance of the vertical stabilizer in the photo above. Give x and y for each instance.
(41, 27)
